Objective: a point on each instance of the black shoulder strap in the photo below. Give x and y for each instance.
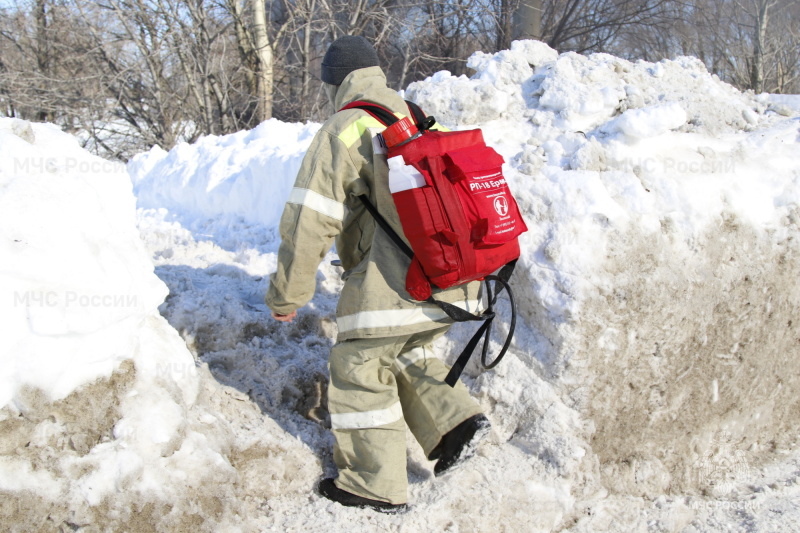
(387, 118)
(417, 113)
(386, 227)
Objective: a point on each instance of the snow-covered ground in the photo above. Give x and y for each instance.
(651, 385)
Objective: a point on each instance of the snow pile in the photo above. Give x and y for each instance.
(105, 417)
(243, 174)
(662, 257)
(77, 282)
(572, 92)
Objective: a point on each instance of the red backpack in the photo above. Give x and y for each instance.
(456, 210)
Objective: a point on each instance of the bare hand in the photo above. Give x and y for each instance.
(284, 318)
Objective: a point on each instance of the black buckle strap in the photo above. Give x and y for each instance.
(386, 227)
(422, 122)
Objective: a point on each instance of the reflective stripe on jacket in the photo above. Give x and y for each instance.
(340, 165)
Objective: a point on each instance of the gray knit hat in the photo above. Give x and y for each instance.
(345, 55)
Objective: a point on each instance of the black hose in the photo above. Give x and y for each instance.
(486, 328)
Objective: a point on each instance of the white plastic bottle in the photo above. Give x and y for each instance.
(403, 177)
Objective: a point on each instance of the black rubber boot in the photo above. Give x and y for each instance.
(459, 444)
(328, 489)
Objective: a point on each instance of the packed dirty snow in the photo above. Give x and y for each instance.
(100, 396)
(77, 282)
(662, 256)
(651, 384)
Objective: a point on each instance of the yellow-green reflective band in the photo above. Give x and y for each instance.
(354, 131)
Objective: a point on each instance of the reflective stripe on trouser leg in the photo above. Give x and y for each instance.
(431, 407)
(367, 419)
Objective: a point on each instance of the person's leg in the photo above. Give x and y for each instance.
(367, 419)
(431, 407)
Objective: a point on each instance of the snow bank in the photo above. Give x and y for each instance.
(105, 418)
(243, 174)
(662, 257)
(77, 282)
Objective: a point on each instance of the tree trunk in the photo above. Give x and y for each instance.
(244, 44)
(264, 63)
(305, 90)
(504, 16)
(42, 51)
(759, 41)
(528, 20)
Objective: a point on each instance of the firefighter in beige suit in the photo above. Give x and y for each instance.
(382, 372)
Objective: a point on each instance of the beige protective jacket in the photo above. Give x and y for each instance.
(342, 163)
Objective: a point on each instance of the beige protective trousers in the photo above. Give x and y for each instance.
(378, 386)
